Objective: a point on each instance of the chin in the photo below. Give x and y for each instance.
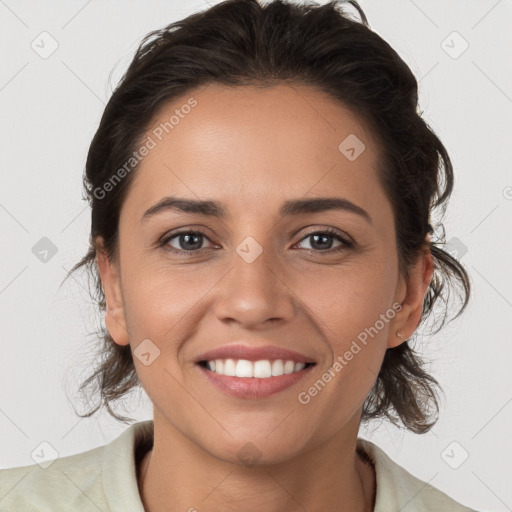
(257, 450)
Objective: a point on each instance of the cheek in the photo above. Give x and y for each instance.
(163, 303)
(352, 299)
(354, 318)
(353, 310)
(163, 307)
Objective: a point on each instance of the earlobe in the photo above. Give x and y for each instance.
(115, 321)
(417, 283)
(396, 338)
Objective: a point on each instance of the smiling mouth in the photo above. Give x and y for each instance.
(262, 369)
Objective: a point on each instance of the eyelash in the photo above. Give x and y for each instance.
(346, 244)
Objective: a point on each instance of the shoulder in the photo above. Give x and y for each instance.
(397, 489)
(54, 485)
(102, 478)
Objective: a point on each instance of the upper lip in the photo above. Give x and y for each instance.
(253, 353)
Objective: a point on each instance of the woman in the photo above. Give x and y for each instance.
(261, 186)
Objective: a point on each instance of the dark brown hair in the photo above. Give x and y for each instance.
(242, 42)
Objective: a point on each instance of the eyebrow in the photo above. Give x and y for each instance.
(291, 207)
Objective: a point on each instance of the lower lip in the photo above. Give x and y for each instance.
(249, 387)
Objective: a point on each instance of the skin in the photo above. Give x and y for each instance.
(251, 149)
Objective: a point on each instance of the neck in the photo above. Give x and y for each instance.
(175, 476)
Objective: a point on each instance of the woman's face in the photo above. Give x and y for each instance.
(257, 276)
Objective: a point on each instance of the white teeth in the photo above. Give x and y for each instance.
(229, 368)
(277, 367)
(244, 368)
(258, 369)
(262, 369)
(289, 366)
(299, 367)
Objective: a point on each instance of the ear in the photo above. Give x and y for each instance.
(411, 294)
(115, 320)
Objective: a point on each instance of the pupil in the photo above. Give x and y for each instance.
(189, 237)
(315, 237)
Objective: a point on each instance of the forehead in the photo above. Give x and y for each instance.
(255, 144)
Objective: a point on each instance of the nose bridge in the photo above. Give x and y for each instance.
(254, 291)
(255, 265)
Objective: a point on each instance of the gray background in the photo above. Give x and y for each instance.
(50, 108)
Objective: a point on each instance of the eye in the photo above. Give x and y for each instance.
(321, 241)
(187, 241)
(192, 241)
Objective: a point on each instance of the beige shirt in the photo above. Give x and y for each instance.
(105, 479)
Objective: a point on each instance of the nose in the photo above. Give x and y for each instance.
(255, 293)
